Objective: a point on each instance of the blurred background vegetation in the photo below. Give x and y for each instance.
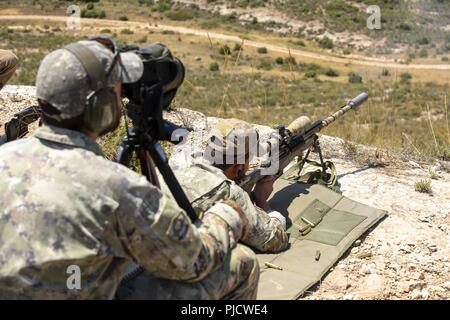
(407, 110)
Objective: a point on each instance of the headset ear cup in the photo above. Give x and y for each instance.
(102, 113)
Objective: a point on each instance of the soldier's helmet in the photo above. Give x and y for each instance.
(231, 141)
(64, 83)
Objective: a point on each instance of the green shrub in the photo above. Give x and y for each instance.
(423, 41)
(126, 31)
(405, 76)
(385, 72)
(291, 61)
(404, 26)
(225, 50)
(106, 31)
(265, 64)
(90, 6)
(279, 60)
(123, 18)
(181, 15)
(93, 14)
(353, 77)
(325, 43)
(310, 74)
(262, 50)
(423, 186)
(331, 73)
(423, 53)
(237, 47)
(214, 66)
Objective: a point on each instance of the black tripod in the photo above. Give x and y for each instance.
(143, 138)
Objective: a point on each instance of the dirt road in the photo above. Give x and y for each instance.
(353, 59)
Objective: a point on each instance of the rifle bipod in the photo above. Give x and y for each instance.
(319, 176)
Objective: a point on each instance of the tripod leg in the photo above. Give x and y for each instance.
(148, 167)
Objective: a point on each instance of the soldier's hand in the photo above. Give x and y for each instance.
(262, 191)
(244, 219)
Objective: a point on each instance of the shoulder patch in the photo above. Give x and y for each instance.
(179, 228)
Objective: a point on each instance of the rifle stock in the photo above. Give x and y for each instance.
(299, 136)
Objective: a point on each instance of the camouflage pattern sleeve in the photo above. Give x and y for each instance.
(159, 236)
(265, 234)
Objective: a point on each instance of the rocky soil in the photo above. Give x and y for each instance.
(406, 256)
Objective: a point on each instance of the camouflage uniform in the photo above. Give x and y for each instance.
(204, 184)
(62, 204)
(8, 64)
(53, 215)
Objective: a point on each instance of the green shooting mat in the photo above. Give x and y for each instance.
(322, 225)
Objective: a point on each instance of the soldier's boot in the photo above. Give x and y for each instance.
(236, 279)
(8, 65)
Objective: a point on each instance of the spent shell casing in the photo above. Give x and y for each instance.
(318, 254)
(273, 266)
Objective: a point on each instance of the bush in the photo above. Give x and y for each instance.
(423, 53)
(279, 60)
(423, 186)
(90, 6)
(181, 15)
(310, 74)
(123, 18)
(237, 47)
(106, 31)
(262, 50)
(353, 77)
(93, 14)
(445, 59)
(325, 43)
(126, 31)
(214, 66)
(265, 64)
(405, 77)
(331, 73)
(423, 41)
(404, 26)
(225, 50)
(385, 72)
(300, 43)
(291, 61)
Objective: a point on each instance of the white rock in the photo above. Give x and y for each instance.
(405, 248)
(424, 293)
(347, 296)
(416, 294)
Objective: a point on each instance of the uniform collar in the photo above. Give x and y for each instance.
(68, 137)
